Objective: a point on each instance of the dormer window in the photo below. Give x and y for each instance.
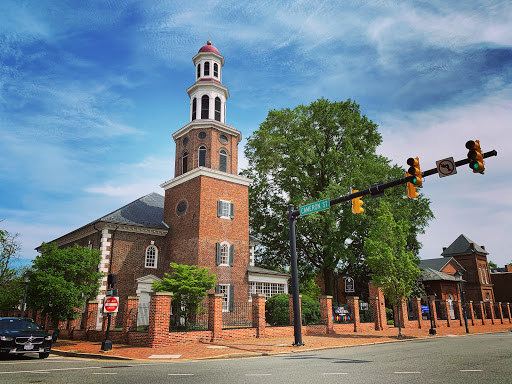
(215, 70)
(207, 68)
(205, 107)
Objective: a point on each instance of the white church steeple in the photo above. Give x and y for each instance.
(207, 95)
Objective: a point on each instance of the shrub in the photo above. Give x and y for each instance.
(277, 310)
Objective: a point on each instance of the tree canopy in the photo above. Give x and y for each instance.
(393, 268)
(316, 152)
(62, 280)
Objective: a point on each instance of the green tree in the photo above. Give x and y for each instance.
(492, 264)
(312, 153)
(393, 268)
(189, 286)
(10, 246)
(63, 279)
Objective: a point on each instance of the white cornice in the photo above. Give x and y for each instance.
(208, 172)
(208, 85)
(207, 123)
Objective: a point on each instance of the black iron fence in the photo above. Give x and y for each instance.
(193, 319)
(365, 312)
(238, 316)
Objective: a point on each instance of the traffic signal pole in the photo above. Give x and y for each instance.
(293, 215)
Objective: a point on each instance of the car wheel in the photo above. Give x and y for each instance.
(44, 355)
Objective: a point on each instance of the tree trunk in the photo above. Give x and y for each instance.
(398, 308)
(328, 281)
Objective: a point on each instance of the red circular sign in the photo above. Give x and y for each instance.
(111, 304)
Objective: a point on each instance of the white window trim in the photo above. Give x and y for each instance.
(224, 205)
(225, 245)
(225, 298)
(152, 245)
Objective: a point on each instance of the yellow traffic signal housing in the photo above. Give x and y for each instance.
(411, 189)
(414, 170)
(357, 204)
(476, 157)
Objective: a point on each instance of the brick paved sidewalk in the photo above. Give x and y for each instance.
(257, 347)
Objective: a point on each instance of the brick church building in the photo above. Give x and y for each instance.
(202, 220)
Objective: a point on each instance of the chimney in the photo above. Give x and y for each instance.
(472, 245)
(444, 249)
(483, 247)
(508, 268)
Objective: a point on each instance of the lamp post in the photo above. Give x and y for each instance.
(26, 279)
(458, 277)
(432, 330)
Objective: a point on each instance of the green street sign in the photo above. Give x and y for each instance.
(315, 207)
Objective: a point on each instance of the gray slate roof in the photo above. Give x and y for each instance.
(429, 274)
(462, 245)
(436, 264)
(148, 211)
(263, 271)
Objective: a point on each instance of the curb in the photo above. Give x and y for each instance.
(88, 355)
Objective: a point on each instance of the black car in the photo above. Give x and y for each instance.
(19, 336)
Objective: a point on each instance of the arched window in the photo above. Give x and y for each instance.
(202, 156)
(151, 256)
(207, 68)
(184, 162)
(217, 108)
(205, 107)
(194, 108)
(215, 69)
(223, 161)
(225, 253)
(198, 71)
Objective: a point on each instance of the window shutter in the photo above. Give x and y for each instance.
(217, 289)
(231, 297)
(231, 254)
(219, 208)
(218, 254)
(232, 210)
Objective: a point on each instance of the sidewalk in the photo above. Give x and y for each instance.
(256, 347)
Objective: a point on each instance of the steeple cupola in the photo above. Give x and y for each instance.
(207, 141)
(207, 95)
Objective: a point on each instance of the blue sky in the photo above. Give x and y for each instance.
(90, 93)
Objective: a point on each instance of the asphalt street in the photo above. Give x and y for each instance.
(484, 358)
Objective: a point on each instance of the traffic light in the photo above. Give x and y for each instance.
(411, 189)
(414, 170)
(476, 157)
(357, 203)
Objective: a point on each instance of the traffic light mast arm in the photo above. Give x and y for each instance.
(376, 189)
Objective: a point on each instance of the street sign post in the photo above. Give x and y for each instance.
(315, 207)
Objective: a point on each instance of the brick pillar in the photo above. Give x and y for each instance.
(493, 315)
(130, 315)
(290, 305)
(417, 309)
(433, 310)
(480, 306)
(159, 318)
(507, 312)
(353, 302)
(457, 307)
(326, 312)
(91, 314)
(470, 312)
(500, 313)
(39, 319)
(258, 314)
(378, 307)
(215, 315)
